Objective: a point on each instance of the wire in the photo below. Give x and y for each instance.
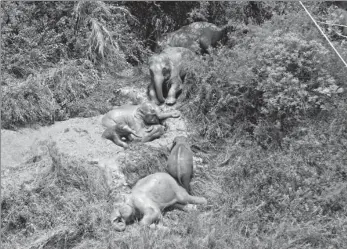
(323, 34)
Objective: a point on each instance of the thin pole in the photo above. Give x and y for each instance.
(323, 34)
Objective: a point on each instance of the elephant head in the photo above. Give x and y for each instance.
(160, 70)
(122, 215)
(148, 113)
(179, 140)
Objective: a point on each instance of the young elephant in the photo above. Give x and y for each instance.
(180, 162)
(129, 122)
(197, 36)
(149, 197)
(167, 71)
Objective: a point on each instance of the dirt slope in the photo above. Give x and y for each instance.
(76, 137)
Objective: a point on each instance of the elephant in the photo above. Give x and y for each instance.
(167, 71)
(149, 197)
(197, 36)
(343, 18)
(129, 122)
(180, 162)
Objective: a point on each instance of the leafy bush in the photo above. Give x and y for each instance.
(29, 103)
(44, 98)
(70, 84)
(272, 77)
(292, 76)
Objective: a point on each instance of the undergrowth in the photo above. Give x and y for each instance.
(269, 117)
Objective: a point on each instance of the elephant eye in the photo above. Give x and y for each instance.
(118, 219)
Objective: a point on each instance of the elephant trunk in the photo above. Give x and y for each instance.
(119, 226)
(158, 84)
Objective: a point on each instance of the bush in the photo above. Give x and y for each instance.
(272, 77)
(291, 74)
(29, 103)
(44, 98)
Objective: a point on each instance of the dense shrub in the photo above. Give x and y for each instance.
(291, 73)
(32, 102)
(53, 95)
(272, 77)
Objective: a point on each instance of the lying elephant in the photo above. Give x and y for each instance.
(167, 71)
(195, 36)
(129, 122)
(149, 197)
(180, 162)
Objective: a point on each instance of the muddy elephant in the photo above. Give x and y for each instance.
(167, 71)
(197, 36)
(135, 122)
(149, 197)
(180, 162)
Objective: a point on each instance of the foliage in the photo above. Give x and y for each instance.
(274, 96)
(272, 77)
(291, 74)
(29, 103)
(47, 97)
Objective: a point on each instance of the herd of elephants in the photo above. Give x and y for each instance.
(144, 122)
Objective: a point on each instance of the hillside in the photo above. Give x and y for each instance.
(264, 109)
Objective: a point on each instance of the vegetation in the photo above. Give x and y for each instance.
(267, 110)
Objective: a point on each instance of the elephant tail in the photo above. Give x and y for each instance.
(179, 163)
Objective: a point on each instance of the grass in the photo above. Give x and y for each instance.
(293, 196)
(267, 186)
(289, 198)
(74, 89)
(61, 207)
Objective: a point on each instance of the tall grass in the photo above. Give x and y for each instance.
(56, 94)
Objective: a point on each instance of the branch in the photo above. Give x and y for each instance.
(333, 24)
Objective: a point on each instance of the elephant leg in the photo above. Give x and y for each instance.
(205, 43)
(112, 135)
(185, 182)
(150, 216)
(165, 115)
(182, 207)
(185, 198)
(174, 89)
(152, 94)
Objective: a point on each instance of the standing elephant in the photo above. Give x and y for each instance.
(195, 36)
(167, 71)
(149, 197)
(129, 122)
(180, 162)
